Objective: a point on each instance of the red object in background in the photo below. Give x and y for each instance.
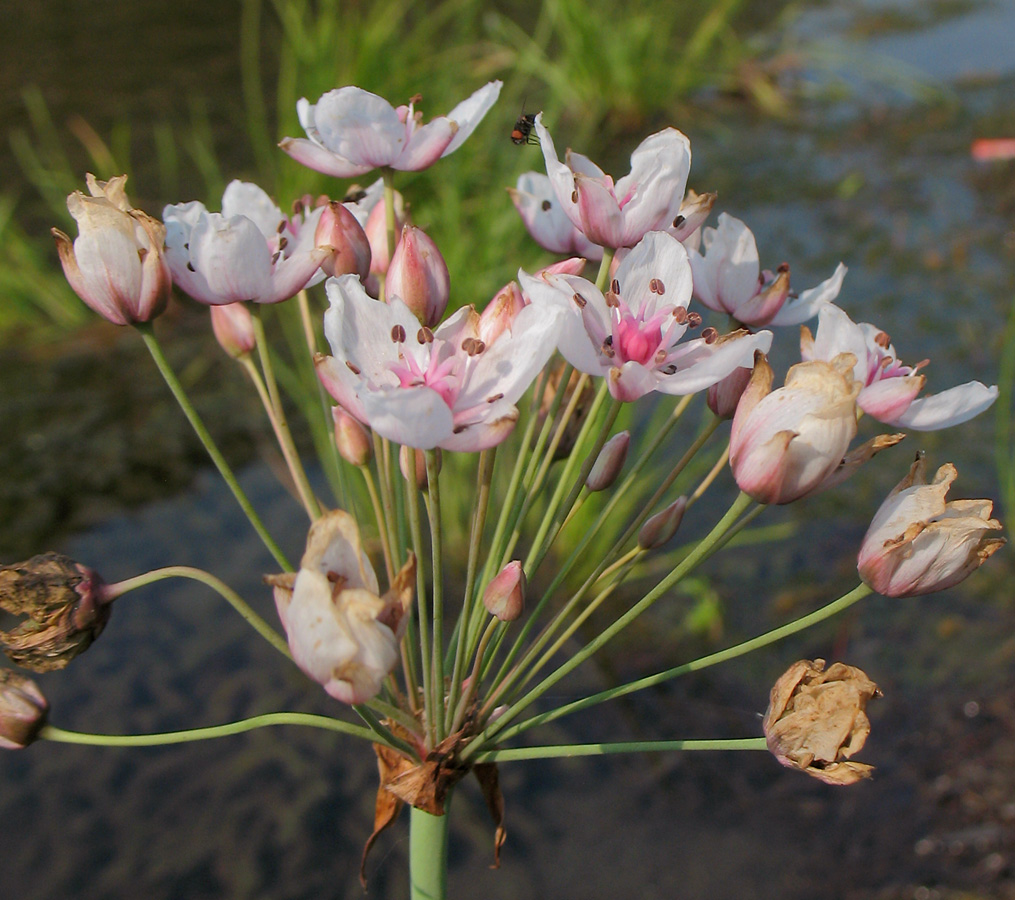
(993, 148)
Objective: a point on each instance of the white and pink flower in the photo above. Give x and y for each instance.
(728, 278)
(442, 388)
(351, 131)
(889, 388)
(250, 251)
(632, 334)
(620, 214)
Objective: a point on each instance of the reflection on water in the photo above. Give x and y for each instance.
(284, 813)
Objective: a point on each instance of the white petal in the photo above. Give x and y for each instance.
(241, 198)
(470, 112)
(810, 302)
(414, 416)
(951, 407)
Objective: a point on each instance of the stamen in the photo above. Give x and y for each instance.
(882, 340)
(186, 246)
(190, 266)
(398, 334)
(680, 314)
(656, 286)
(354, 369)
(283, 242)
(783, 268)
(424, 335)
(678, 221)
(660, 356)
(580, 300)
(282, 224)
(494, 398)
(694, 320)
(458, 429)
(710, 335)
(547, 205)
(574, 195)
(275, 256)
(612, 300)
(615, 286)
(473, 346)
(671, 369)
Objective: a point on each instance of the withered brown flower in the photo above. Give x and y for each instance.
(816, 721)
(22, 710)
(65, 609)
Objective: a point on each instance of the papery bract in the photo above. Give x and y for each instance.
(890, 389)
(621, 214)
(351, 131)
(918, 543)
(785, 444)
(444, 388)
(631, 335)
(117, 264)
(241, 254)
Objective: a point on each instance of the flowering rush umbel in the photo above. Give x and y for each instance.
(520, 469)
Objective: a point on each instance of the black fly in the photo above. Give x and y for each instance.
(522, 132)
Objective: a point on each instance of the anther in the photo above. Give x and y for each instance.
(680, 314)
(398, 334)
(660, 356)
(275, 256)
(547, 205)
(283, 242)
(191, 267)
(656, 286)
(612, 300)
(352, 368)
(671, 369)
(882, 340)
(710, 335)
(580, 300)
(458, 429)
(574, 196)
(783, 268)
(281, 227)
(424, 335)
(615, 286)
(678, 221)
(693, 319)
(494, 398)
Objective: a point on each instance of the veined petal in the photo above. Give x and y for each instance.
(659, 258)
(360, 127)
(810, 302)
(414, 416)
(888, 399)
(701, 364)
(320, 159)
(560, 175)
(470, 112)
(951, 407)
(470, 437)
(233, 257)
(427, 145)
(738, 265)
(631, 381)
(573, 339)
(341, 383)
(602, 221)
(293, 273)
(241, 198)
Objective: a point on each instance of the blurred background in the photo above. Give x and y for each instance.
(839, 130)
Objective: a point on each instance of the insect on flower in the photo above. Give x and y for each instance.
(522, 132)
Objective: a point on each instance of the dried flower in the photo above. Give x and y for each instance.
(65, 605)
(22, 710)
(816, 721)
(918, 543)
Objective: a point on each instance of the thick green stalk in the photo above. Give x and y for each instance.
(428, 855)
(567, 751)
(148, 336)
(416, 530)
(436, 587)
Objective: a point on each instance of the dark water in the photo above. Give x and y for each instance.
(879, 181)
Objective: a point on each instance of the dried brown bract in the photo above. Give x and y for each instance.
(816, 721)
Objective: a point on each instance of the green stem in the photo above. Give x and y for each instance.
(416, 530)
(437, 587)
(235, 600)
(704, 662)
(573, 750)
(428, 855)
(52, 733)
(148, 336)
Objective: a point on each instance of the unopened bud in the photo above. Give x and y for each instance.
(338, 229)
(419, 276)
(351, 438)
(412, 462)
(662, 526)
(504, 597)
(609, 463)
(376, 230)
(22, 710)
(65, 606)
(234, 328)
(724, 395)
(816, 720)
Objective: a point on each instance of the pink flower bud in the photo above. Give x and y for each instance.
(22, 710)
(504, 597)
(351, 438)
(338, 229)
(234, 328)
(609, 463)
(419, 276)
(723, 396)
(412, 462)
(117, 264)
(662, 526)
(376, 230)
(918, 543)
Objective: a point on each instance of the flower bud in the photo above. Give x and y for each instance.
(662, 526)
(338, 229)
(918, 543)
(376, 230)
(22, 710)
(234, 328)
(65, 605)
(816, 721)
(117, 264)
(351, 438)
(723, 396)
(504, 597)
(412, 462)
(609, 463)
(419, 276)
